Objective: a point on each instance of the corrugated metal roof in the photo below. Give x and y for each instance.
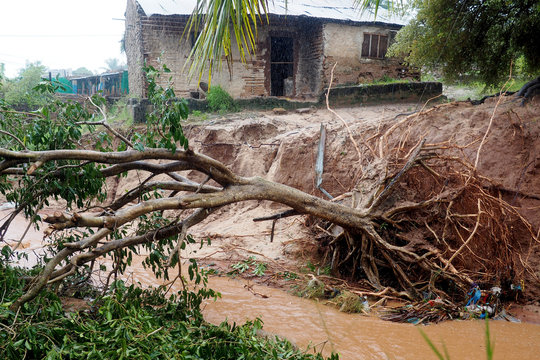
(325, 9)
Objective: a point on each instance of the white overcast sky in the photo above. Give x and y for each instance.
(62, 34)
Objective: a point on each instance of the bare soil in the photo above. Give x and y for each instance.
(283, 148)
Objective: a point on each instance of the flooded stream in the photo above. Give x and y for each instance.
(353, 336)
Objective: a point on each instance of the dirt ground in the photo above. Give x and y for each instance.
(283, 148)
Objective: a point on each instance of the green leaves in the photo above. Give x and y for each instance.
(220, 100)
(479, 39)
(56, 125)
(23, 92)
(164, 127)
(258, 268)
(128, 323)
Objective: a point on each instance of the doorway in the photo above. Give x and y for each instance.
(281, 66)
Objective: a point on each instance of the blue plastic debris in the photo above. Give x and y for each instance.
(475, 295)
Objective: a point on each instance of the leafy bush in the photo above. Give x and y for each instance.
(118, 113)
(220, 100)
(243, 266)
(126, 323)
(198, 115)
(20, 92)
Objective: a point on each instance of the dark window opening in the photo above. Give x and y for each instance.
(281, 66)
(374, 46)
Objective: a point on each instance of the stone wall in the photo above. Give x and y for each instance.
(356, 95)
(373, 94)
(310, 58)
(134, 49)
(343, 45)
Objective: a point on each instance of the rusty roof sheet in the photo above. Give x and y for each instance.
(340, 10)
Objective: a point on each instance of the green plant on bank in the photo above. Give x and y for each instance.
(287, 275)
(385, 79)
(258, 268)
(118, 113)
(317, 269)
(219, 100)
(476, 89)
(198, 115)
(126, 323)
(490, 346)
(428, 76)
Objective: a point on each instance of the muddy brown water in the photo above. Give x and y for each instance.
(353, 336)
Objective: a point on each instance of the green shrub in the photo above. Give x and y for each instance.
(198, 115)
(22, 90)
(118, 113)
(220, 100)
(127, 323)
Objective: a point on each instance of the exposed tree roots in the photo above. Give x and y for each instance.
(432, 226)
(435, 225)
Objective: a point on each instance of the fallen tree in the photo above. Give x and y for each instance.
(420, 218)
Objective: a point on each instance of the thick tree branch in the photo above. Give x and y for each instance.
(151, 236)
(219, 172)
(160, 185)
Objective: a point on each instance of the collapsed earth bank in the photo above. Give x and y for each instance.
(456, 190)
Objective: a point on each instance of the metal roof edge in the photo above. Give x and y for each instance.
(343, 13)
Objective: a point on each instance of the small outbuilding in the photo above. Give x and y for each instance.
(110, 84)
(296, 50)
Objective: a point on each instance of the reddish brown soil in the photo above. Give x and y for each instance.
(283, 148)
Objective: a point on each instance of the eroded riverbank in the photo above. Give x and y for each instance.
(235, 236)
(353, 336)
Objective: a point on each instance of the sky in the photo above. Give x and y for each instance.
(61, 34)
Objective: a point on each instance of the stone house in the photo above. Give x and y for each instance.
(296, 50)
